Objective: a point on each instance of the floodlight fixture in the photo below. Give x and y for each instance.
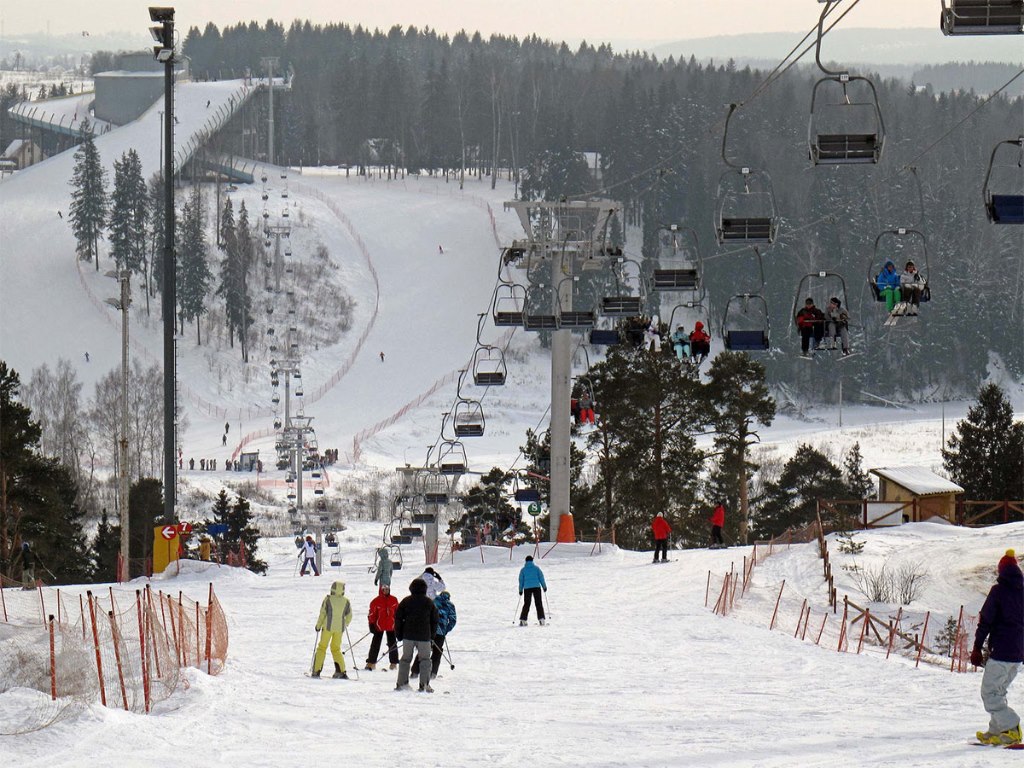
(161, 13)
(157, 33)
(163, 55)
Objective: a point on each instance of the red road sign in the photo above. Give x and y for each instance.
(169, 532)
(184, 528)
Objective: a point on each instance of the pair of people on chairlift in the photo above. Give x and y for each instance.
(815, 326)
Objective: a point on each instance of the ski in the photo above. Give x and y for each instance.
(1003, 746)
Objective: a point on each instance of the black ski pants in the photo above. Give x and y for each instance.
(661, 545)
(374, 652)
(533, 593)
(716, 534)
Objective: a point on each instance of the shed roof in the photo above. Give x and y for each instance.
(13, 148)
(918, 480)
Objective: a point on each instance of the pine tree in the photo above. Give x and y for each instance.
(88, 211)
(193, 272)
(240, 531)
(650, 415)
(237, 306)
(128, 213)
(106, 545)
(155, 229)
(985, 455)
(145, 509)
(792, 500)
(858, 482)
(740, 400)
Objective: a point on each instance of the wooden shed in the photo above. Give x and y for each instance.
(930, 495)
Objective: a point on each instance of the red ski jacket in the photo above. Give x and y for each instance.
(382, 611)
(718, 516)
(661, 528)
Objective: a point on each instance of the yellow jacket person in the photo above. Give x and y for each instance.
(335, 615)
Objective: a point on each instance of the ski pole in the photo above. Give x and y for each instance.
(312, 660)
(387, 651)
(448, 652)
(516, 615)
(547, 604)
(355, 667)
(357, 642)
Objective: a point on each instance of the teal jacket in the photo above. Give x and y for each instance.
(531, 576)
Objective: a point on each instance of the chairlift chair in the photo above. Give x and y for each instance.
(745, 325)
(676, 272)
(982, 17)
(523, 494)
(572, 318)
(468, 418)
(507, 305)
(435, 491)
(536, 318)
(451, 458)
(745, 211)
(623, 303)
(903, 237)
(1005, 207)
(488, 366)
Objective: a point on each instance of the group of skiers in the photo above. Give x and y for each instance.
(896, 287)
(662, 529)
(815, 326)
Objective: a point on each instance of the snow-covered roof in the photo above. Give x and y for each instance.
(13, 148)
(917, 480)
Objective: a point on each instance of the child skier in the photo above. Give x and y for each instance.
(531, 581)
(335, 615)
(309, 556)
(382, 622)
(1002, 623)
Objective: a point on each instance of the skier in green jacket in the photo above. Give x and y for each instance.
(335, 615)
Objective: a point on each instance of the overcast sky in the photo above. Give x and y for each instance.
(632, 22)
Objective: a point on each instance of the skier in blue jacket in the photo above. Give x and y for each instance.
(888, 283)
(1001, 623)
(531, 582)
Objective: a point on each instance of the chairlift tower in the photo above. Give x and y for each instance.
(569, 234)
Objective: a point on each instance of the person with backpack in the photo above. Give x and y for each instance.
(382, 622)
(1001, 623)
(531, 582)
(384, 568)
(334, 618)
(435, 585)
(416, 622)
(445, 623)
(661, 529)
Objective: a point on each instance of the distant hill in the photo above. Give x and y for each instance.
(923, 56)
(874, 46)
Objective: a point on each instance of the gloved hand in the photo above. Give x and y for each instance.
(545, 589)
(976, 658)
(317, 628)
(520, 593)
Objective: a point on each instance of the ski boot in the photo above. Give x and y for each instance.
(339, 673)
(370, 666)
(522, 622)
(426, 689)
(316, 674)
(392, 666)
(541, 622)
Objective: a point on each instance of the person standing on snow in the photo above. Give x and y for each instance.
(28, 566)
(717, 523)
(382, 622)
(661, 528)
(432, 579)
(1002, 623)
(531, 581)
(415, 625)
(335, 615)
(384, 568)
(309, 555)
(445, 623)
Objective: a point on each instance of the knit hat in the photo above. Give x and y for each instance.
(835, 300)
(1010, 558)
(529, 558)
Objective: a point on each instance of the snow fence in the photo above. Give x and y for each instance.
(837, 622)
(61, 652)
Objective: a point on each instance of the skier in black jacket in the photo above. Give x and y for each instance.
(415, 626)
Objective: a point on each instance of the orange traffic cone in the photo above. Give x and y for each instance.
(566, 529)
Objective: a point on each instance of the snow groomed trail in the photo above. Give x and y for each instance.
(632, 670)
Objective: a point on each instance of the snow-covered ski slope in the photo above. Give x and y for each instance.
(632, 670)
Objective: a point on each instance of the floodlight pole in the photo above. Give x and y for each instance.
(169, 297)
(123, 276)
(270, 62)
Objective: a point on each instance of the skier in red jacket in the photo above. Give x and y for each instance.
(717, 521)
(382, 620)
(661, 529)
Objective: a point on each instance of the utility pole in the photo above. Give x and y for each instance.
(164, 53)
(124, 278)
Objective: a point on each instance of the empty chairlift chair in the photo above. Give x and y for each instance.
(538, 315)
(451, 458)
(746, 327)
(569, 315)
(468, 418)
(435, 491)
(1005, 207)
(745, 211)
(678, 266)
(627, 299)
(842, 131)
(507, 305)
(488, 366)
(982, 17)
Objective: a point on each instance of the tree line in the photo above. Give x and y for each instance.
(51, 495)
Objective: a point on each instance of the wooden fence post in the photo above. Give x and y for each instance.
(955, 649)
(777, 601)
(800, 620)
(707, 590)
(866, 616)
(96, 647)
(822, 629)
(924, 636)
(117, 657)
(892, 631)
(53, 663)
(842, 629)
(142, 650)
